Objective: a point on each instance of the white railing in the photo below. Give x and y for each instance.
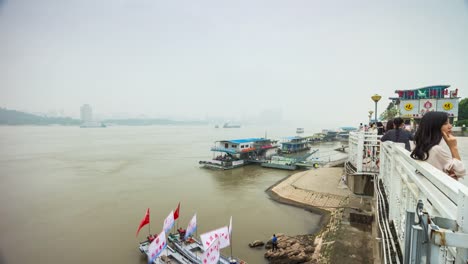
(364, 151)
(406, 182)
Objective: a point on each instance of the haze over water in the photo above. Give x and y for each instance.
(78, 195)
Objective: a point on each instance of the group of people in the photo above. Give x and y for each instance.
(428, 143)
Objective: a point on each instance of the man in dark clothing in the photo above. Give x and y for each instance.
(274, 243)
(398, 134)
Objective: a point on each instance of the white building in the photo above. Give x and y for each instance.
(86, 113)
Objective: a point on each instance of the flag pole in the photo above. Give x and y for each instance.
(149, 222)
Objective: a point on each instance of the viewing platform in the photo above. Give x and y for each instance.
(421, 214)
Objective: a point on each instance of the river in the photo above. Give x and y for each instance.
(78, 195)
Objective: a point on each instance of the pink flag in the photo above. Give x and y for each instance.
(192, 227)
(157, 246)
(211, 255)
(221, 233)
(169, 222)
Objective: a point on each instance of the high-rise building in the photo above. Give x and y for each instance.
(86, 113)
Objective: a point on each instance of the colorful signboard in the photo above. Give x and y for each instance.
(449, 105)
(417, 108)
(409, 108)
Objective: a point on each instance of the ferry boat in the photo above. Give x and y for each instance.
(229, 154)
(192, 249)
(291, 163)
(294, 144)
(169, 255)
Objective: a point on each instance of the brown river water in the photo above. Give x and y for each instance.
(77, 195)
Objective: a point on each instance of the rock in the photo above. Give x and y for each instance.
(256, 243)
(291, 250)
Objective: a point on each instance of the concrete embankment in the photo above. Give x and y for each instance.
(337, 241)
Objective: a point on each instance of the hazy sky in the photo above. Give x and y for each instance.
(314, 61)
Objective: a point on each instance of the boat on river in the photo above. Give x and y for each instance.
(294, 144)
(231, 125)
(192, 249)
(168, 255)
(291, 162)
(230, 154)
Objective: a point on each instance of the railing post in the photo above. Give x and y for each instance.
(462, 221)
(360, 152)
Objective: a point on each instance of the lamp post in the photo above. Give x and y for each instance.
(376, 99)
(370, 116)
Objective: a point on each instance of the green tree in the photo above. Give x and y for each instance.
(391, 112)
(463, 109)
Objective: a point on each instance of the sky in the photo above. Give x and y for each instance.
(301, 61)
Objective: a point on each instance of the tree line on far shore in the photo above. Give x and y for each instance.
(15, 118)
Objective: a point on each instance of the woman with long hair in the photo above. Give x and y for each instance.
(434, 127)
(398, 134)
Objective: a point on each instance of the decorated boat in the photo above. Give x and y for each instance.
(184, 248)
(229, 154)
(208, 248)
(168, 255)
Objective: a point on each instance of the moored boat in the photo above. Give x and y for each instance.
(169, 255)
(294, 144)
(229, 154)
(192, 249)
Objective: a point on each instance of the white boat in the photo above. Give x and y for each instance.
(231, 125)
(192, 249)
(169, 255)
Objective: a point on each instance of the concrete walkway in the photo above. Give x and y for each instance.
(316, 187)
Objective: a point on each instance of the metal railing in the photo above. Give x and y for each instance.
(364, 149)
(428, 209)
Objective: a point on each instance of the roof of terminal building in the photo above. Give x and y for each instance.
(244, 140)
(434, 87)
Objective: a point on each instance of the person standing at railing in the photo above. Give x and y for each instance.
(389, 125)
(398, 134)
(434, 127)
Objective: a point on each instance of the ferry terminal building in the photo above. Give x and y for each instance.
(414, 103)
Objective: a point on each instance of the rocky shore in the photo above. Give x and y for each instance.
(336, 240)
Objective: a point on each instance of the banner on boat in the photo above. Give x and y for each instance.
(192, 227)
(169, 222)
(157, 246)
(211, 255)
(221, 233)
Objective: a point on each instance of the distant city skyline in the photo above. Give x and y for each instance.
(310, 62)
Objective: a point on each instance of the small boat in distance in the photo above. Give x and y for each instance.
(231, 125)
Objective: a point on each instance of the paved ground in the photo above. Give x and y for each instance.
(339, 241)
(318, 188)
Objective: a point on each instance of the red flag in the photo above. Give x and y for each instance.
(145, 221)
(176, 212)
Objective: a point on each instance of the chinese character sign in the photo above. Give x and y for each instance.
(157, 246)
(221, 233)
(192, 226)
(211, 255)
